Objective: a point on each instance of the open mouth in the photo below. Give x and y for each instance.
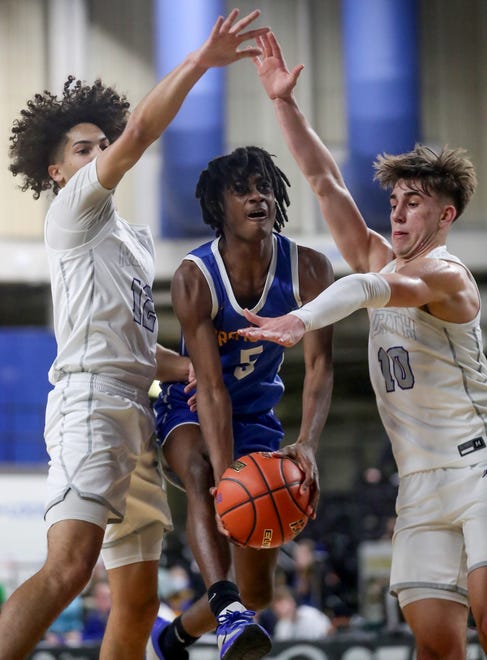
(257, 215)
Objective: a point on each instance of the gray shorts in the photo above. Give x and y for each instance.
(105, 467)
(439, 536)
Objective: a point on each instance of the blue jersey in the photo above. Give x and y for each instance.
(250, 368)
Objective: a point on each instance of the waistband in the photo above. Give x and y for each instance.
(108, 385)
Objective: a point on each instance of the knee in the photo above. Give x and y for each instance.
(439, 648)
(481, 626)
(141, 608)
(69, 576)
(198, 477)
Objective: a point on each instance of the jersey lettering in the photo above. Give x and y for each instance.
(248, 358)
(143, 305)
(395, 367)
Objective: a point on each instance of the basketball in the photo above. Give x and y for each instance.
(259, 502)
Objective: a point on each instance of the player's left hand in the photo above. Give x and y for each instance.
(272, 70)
(285, 330)
(304, 456)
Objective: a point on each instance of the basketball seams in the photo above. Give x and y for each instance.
(258, 498)
(270, 493)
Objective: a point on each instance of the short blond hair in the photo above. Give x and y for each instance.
(449, 173)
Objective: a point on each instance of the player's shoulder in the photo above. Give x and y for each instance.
(311, 258)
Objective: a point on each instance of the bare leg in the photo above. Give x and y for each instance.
(254, 573)
(477, 590)
(439, 627)
(134, 608)
(73, 549)
(186, 454)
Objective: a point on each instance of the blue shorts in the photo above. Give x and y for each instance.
(257, 432)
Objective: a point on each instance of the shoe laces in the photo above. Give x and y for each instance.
(231, 620)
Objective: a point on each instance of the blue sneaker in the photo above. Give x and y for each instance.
(240, 637)
(154, 651)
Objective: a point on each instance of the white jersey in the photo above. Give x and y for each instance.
(430, 382)
(102, 270)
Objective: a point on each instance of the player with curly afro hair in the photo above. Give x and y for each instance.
(99, 423)
(40, 132)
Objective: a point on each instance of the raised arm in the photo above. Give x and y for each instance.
(155, 112)
(362, 248)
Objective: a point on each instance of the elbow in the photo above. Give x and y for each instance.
(137, 133)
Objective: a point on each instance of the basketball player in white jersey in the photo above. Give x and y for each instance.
(427, 364)
(99, 424)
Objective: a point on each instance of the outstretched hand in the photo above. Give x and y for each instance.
(285, 330)
(222, 46)
(272, 70)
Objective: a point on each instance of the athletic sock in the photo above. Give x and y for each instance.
(174, 638)
(223, 596)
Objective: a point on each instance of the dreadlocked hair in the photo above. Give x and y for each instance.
(449, 173)
(224, 172)
(43, 125)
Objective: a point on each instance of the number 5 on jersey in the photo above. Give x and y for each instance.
(248, 358)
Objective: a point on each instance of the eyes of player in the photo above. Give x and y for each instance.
(242, 187)
(85, 147)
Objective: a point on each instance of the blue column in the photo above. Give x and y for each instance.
(197, 133)
(382, 79)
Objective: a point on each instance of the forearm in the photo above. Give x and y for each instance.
(159, 107)
(342, 298)
(316, 400)
(312, 156)
(215, 417)
(170, 365)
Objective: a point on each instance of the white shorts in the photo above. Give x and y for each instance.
(99, 436)
(439, 536)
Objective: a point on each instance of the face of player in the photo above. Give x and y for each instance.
(419, 221)
(250, 208)
(84, 142)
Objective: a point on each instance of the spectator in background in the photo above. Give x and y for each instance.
(295, 621)
(307, 577)
(98, 603)
(175, 591)
(66, 629)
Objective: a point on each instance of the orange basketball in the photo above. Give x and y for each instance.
(259, 502)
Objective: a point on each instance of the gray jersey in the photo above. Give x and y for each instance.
(430, 381)
(102, 270)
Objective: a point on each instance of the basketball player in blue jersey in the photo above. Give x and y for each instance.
(243, 197)
(99, 422)
(426, 362)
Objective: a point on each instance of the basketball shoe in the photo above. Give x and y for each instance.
(154, 651)
(239, 637)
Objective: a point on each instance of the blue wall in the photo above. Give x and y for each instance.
(26, 355)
